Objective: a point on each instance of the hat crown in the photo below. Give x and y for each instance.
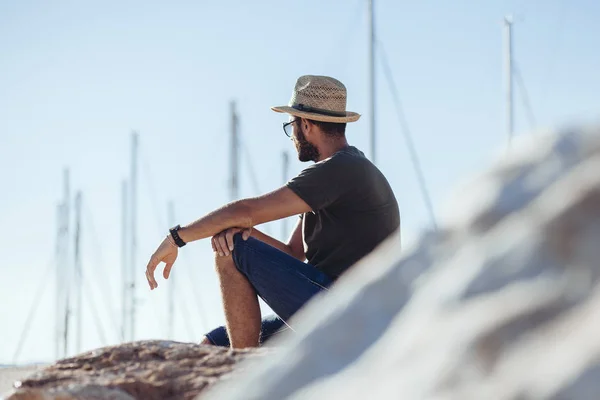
(319, 98)
(319, 92)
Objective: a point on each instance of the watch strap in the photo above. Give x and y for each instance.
(175, 235)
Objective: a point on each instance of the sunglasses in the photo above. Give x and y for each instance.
(287, 127)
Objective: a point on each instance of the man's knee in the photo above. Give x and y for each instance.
(237, 261)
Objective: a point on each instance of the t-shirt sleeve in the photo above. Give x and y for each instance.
(321, 184)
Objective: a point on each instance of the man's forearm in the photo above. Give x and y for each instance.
(236, 214)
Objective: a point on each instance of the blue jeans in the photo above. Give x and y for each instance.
(282, 281)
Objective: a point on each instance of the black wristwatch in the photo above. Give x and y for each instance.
(175, 235)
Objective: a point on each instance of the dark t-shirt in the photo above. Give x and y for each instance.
(353, 210)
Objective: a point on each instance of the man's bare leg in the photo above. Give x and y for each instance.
(242, 312)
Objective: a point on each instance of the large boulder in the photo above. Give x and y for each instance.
(503, 302)
(149, 370)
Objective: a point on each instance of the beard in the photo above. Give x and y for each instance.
(306, 151)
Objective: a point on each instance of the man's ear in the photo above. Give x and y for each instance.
(303, 122)
(307, 126)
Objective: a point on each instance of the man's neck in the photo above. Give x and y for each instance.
(329, 148)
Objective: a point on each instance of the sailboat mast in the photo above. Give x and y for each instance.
(133, 234)
(78, 272)
(63, 272)
(57, 260)
(508, 65)
(372, 77)
(124, 266)
(171, 315)
(234, 156)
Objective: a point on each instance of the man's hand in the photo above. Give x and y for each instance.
(222, 243)
(167, 253)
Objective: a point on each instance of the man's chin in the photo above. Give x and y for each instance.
(305, 157)
(306, 154)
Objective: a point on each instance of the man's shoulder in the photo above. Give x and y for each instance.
(346, 157)
(349, 162)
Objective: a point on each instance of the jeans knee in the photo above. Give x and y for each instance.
(240, 252)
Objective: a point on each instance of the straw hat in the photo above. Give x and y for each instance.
(319, 98)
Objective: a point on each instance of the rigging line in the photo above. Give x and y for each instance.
(524, 96)
(94, 311)
(39, 292)
(99, 263)
(407, 135)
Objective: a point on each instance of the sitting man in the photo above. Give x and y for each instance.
(345, 206)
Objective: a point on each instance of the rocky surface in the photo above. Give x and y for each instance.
(140, 370)
(502, 303)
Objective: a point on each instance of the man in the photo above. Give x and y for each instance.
(346, 208)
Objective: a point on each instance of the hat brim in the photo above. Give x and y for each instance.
(349, 117)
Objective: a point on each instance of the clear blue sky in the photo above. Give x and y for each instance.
(76, 77)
